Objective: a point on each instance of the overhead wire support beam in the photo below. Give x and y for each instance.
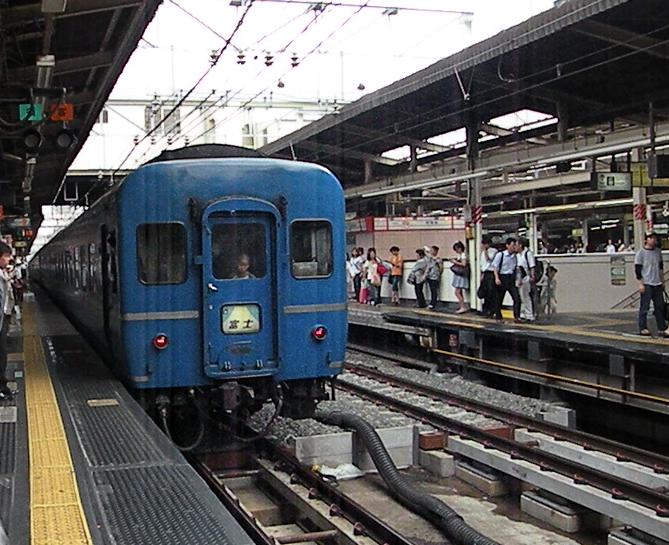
(384, 8)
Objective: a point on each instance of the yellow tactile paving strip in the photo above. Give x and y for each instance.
(56, 514)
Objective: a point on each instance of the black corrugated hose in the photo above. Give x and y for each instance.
(426, 505)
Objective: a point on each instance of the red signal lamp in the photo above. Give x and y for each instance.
(160, 341)
(319, 333)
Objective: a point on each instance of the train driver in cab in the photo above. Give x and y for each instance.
(243, 268)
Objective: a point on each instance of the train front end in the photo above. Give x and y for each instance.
(257, 309)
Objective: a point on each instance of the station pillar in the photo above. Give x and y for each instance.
(474, 201)
(532, 234)
(640, 204)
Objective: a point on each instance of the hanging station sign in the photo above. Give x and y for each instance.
(611, 181)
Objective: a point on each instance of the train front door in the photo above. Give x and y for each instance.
(239, 278)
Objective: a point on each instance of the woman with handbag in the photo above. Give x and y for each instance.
(373, 274)
(460, 270)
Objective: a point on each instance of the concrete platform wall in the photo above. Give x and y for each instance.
(584, 282)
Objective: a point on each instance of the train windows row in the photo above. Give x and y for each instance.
(76, 266)
(239, 251)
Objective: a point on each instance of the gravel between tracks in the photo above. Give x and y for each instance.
(453, 384)
(285, 430)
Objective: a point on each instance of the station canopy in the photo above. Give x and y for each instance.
(584, 62)
(61, 59)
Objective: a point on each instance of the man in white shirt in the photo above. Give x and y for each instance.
(487, 290)
(505, 269)
(527, 269)
(610, 247)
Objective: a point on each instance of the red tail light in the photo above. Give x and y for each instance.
(160, 341)
(319, 332)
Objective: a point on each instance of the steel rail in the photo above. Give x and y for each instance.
(340, 504)
(618, 488)
(363, 521)
(624, 453)
(245, 519)
(558, 378)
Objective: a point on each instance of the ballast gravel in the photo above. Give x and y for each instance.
(453, 384)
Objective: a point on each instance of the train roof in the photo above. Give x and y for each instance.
(205, 151)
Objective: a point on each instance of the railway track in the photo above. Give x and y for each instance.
(619, 480)
(657, 463)
(319, 511)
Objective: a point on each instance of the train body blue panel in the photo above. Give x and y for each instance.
(119, 270)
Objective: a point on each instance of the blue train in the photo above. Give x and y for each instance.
(213, 282)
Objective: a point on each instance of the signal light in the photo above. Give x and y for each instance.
(32, 139)
(160, 341)
(65, 138)
(319, 333)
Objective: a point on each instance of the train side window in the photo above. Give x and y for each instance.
(238, 251)
(311, 249)
(161, 253)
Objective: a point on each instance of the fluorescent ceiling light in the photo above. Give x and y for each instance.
(45, 65)
(54, 6)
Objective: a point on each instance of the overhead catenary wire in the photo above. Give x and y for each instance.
(201, 22)
(174, 108)
(213, 63)
(284, 48)
(227, 97)
(313, 50)
(372, 6)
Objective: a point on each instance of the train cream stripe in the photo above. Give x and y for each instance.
(56, 512)
(168, 315)
(301, 309)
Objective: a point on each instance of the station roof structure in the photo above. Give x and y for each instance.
(583, 62)
(56, 52)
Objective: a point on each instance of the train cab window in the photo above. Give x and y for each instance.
(238, 250)
(311, 249)
(161, 253)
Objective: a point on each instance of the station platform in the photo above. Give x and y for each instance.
(594, 354)
(81, 463)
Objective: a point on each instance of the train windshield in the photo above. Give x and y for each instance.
(238, 251)
(311, 249)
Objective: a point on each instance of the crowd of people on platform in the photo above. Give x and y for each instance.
(514, 270)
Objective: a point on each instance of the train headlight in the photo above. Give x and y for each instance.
(160, 341)
(319, 333)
